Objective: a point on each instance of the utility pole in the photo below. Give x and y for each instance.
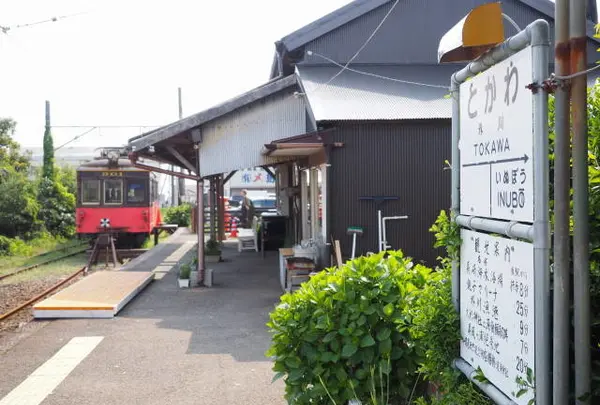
(581, 267)
(181, 179)
(562, 178)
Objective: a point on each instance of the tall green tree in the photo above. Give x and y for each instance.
(18, 206)
(48, 168)
(10, 150)
(57, 204)
(67, 176)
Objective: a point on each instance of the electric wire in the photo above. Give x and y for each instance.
(574, 75)
(75, 138)
(344, 67)
(5, 29)
(512, 22)
(362, 72)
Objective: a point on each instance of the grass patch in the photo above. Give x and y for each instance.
(41, 251)
(56, 269)
(149, 242)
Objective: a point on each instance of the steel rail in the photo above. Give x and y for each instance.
(42, 294)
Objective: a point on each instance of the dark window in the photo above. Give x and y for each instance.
(113, 191)
(136, 191)
(90, 192)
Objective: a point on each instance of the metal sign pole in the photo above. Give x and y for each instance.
(540, 43)
(455, 196)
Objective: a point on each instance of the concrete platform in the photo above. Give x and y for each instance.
(169, 345)
(99, 295)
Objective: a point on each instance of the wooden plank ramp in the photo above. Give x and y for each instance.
(99, 295)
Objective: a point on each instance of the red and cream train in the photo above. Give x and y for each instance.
(113, 194)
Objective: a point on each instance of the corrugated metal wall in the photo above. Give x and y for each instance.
(411, 34)
(235, 141)
(403, 159)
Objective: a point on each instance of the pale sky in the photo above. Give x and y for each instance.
(122, 61)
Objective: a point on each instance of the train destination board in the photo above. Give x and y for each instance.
(496, 141)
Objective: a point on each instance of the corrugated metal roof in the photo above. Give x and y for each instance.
(329, 22)
(178, 127)
(354, 96)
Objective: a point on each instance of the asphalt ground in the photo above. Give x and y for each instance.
(168, 345)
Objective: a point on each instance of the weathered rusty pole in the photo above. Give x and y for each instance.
(562, 180)
(581, 282)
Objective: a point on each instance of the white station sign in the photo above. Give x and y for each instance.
(496, 141)
(496, 309)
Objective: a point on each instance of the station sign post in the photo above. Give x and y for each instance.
(501, 203)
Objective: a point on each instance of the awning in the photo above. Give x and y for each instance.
(292, 149)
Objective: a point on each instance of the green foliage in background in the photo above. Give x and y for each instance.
(180, 215)
(10, 151)
(57, 204)
(67, 176)
(32, 207)
(19, 207)
(57, 208)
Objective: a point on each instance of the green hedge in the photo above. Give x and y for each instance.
(180, 215)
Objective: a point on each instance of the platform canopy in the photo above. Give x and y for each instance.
(178, 143)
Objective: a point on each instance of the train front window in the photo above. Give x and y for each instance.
(90, 192)
(136, 192)
(113, 191)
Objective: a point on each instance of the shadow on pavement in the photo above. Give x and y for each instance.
(229, 317)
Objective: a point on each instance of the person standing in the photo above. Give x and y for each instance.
(247, 210)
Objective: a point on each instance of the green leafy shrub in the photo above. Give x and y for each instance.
(345, 335)
(180, 215)
(19, 208)
(212, 247)
(57, 208)
(185, 271)
(435, 327)
(4, 245)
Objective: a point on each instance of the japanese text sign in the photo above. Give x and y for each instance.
(496, 141)
(497, 314)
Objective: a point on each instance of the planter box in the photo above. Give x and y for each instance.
(183, 283)
(194, 278)
(212, 258)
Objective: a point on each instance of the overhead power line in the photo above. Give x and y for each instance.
(364, 45)
(74, 138)
(5, 29)
(362, 72)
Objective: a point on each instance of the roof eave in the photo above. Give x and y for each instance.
(330, 22)
(186, 124)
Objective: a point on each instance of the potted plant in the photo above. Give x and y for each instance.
(184, 275)
(212, 251)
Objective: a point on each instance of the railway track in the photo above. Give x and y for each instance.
(122, 254)
(41, 295)
(106, 254)
(81, 249)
